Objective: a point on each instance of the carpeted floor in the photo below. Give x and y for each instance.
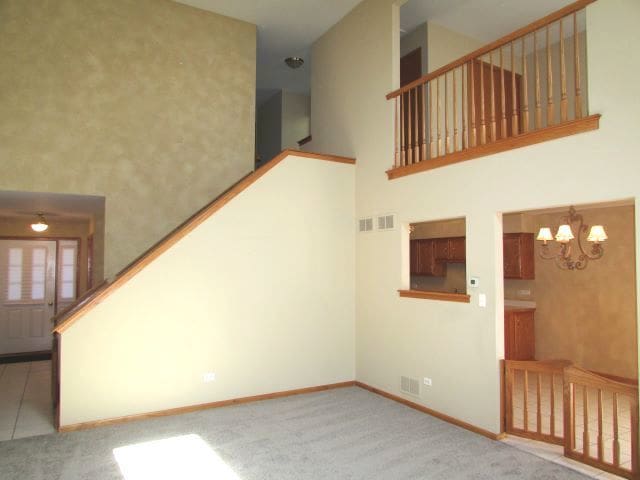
(347, 433)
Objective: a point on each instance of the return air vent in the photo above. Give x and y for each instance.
(386, 222)
(410, 386)
(365, 225)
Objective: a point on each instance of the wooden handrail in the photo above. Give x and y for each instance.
(557, 15)
(92, 298)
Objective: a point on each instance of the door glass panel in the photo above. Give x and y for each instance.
(67, 279)
(39, 256)
(14, 284)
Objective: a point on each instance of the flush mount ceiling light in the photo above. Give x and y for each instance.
(41, 225)
(564, 236)
(294, 62)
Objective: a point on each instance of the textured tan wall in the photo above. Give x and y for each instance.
(589, 316)
(20, 227)
(147, 102)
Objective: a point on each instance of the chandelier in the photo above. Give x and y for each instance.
(564, 257)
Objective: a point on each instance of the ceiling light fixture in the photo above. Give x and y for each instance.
(294, 62)
(41, 225)
(564, 236)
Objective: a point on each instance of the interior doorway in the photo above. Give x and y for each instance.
(570, 332)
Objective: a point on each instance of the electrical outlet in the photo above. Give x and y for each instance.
(209, 377)
(427, 381)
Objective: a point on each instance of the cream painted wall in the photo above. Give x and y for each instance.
(149, 103)
(446, 45)
(295, 118)
(459, 345)
(262, 293)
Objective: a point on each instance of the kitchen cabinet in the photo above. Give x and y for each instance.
(422, 259)
(519, 334)
(450, 250)
(518, 258)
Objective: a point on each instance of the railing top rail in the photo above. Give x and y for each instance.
(557, 15)
(584, 377)
(555, 366)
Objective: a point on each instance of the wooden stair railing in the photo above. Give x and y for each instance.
(66, 318)
(533, 403)
(593, 416)
(522, 89)
(601, 422)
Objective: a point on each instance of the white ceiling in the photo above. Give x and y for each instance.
(485, 20)
(286, 28)
(70, 207)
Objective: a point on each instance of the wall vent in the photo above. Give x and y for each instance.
(365, 224)
(386, 222)
(410, 386)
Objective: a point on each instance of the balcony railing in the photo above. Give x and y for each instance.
(524, 88)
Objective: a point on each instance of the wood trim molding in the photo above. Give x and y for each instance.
(204, 406)
(553, 17)
(65, 319)
(565, 129)
(447, 297)
(433, 413)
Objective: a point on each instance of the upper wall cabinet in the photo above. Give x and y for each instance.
(518, 256)
(450, 250)
(423, 259)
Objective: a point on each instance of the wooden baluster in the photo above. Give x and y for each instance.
(600, 444)
(585, 419)
(431, 145)
(550, 109)
(403, 150)
(447, 136)
(483, 123)
(455, 112)
(633, 408)
(439, 145)
(514, 97)
(503, 112)
(464, 105)
(409, 129)
(525, 90)
(493, 100)
(564, 101)
(416, 126)
(576, 50)
(526, 401)
(616, 441)
(509, 380)
(569, 407)
(474, 136)
(423, 114)
(537, 69)
(552, 401)
(539, 404)
(396, 161)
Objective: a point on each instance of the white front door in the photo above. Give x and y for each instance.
(27, 295)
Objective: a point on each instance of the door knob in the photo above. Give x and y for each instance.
(50, 304)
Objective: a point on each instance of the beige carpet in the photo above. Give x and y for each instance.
(340, 434)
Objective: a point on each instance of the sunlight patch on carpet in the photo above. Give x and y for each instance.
(186, 457)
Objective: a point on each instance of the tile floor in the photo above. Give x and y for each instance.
(555, 453)
(25, 400)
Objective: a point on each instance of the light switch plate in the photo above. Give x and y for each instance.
(482, 300)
